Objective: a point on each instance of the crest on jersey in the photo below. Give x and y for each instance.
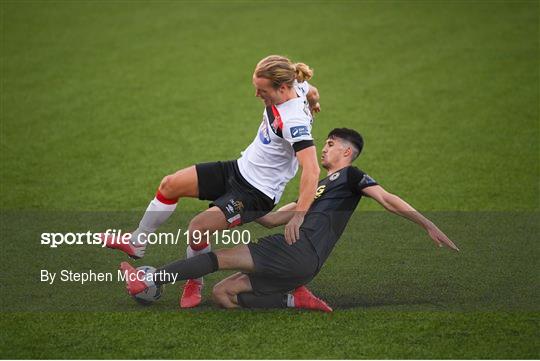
(238, 205)
(264, 136)
(320, 191)
(334, 176)
(277, 124)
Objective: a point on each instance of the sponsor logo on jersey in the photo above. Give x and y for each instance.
(367, 180)
(264, 136)
(299, 131)
(334, 176)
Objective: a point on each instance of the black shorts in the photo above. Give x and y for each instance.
(280, 267)
(222, 183)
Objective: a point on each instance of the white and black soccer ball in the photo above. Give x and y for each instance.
(151, 294)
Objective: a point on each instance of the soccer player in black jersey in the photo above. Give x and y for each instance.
(273, 271)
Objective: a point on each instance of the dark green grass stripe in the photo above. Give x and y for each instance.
(273, 334)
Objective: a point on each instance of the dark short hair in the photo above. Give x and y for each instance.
(351, 136)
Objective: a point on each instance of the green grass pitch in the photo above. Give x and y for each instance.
(100, 100)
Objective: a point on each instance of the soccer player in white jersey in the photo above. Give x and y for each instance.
(245, 189)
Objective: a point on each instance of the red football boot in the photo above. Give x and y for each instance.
(133, 284)
(191, 296)
(304, 299)
(123, 243)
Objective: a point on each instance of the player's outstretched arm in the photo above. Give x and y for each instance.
(307, 158)
(313, 98)
(280, 217)
(398, 206)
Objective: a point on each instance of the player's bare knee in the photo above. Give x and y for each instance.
(223, 300)
(197, 230)
(166, 188)
(195, 225)
(219, 294)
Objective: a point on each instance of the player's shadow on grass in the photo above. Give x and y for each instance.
(403, 297)
(355, 301)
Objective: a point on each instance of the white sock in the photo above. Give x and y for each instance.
(290, 300)
(190, 252)
(156, 214)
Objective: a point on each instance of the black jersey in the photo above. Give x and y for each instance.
(335, 201)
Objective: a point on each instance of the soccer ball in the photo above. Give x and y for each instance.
(151, 294)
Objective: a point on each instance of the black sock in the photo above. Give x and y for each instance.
(186, 269)
(250, 300)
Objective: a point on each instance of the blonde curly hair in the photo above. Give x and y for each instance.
(281, 70)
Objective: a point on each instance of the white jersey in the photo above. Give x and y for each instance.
(269, 162)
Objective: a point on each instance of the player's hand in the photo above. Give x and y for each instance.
(315, 108)
(292, 229)
(440, 238)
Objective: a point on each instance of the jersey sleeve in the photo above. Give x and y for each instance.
(298, 134)
(358, 180)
